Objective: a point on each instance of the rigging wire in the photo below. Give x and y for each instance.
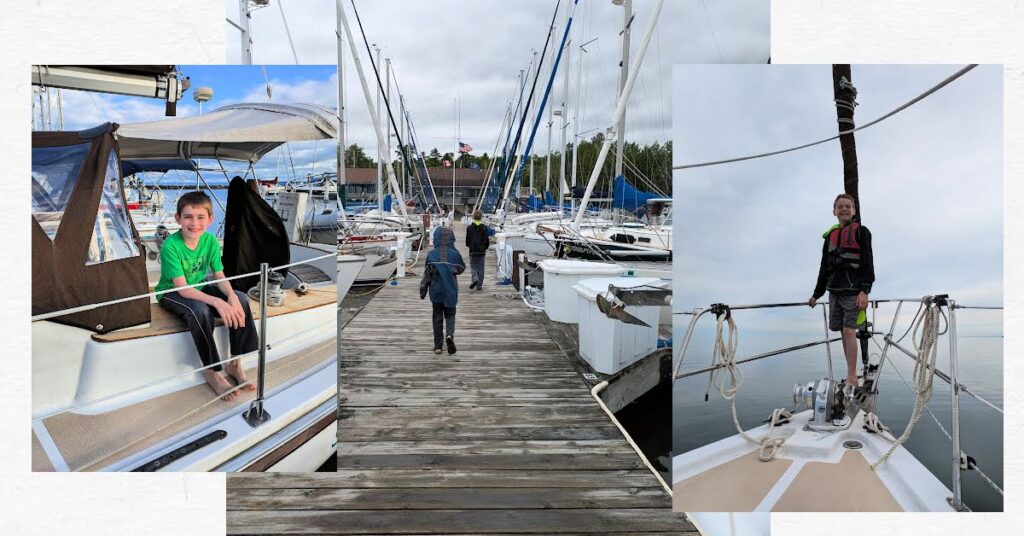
(895, 111)
(288, 32)
(712, 27)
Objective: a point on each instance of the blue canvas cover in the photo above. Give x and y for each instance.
(627, 197)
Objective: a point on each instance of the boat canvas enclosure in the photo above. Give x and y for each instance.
(240, 132)
(85, 248)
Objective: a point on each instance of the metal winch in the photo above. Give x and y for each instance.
(825, 397)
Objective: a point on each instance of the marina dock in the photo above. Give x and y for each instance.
(503, 437)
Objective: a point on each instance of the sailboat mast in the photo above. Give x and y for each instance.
(369, 105)
(380, 150)
(244, 17)
(342, 180)
(620, 111)
(564, 109)
(627, 17)
(845, 99)
(387, 86)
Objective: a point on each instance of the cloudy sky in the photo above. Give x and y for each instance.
(930, 182)
(231, 84)
(445, 49)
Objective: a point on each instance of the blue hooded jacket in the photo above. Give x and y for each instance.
(444, 263)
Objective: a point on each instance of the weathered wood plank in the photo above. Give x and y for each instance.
(492, 461)
(451, 521)
(474, 498)
(423, 478)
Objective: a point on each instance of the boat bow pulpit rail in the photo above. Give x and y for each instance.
(931, 308)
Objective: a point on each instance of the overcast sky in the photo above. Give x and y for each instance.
(445, 49)
(930, 182)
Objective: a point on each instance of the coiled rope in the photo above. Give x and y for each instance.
(923, 377)
(725, 355)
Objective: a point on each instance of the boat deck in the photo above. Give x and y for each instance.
(813, 472)
(503, 437)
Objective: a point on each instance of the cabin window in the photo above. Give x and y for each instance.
(55, 172)
(112, 237)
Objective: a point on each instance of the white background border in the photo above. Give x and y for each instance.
(193, 31)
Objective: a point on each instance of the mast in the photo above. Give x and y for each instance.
(342, 180)
(547, 93)
(369, 105)
(564, 109)
(845, 99)
(244, 17)
(533, 110)
(620, 111)
(380, 152)
(387, 85)
(627, 17)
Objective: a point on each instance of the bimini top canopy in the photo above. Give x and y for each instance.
(243, 132)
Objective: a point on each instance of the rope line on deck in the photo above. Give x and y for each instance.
(924, 370)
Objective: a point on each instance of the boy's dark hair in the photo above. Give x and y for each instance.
(844, 196)
(478, 215)
(195, 199)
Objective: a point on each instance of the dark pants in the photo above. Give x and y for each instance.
(476, 264)
(447, 316)
(199, 318)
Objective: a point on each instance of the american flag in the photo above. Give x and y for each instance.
(447, 163)
(465, 147)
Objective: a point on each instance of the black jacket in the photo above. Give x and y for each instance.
(843, 277)
(476, 239)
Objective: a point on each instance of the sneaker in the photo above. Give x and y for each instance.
(450, 342)
(472, 285)
(437, 350)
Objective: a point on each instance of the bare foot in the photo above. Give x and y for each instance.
(236, 371)
(220, 385)
(853, 382)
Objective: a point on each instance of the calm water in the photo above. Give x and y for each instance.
(769, 382)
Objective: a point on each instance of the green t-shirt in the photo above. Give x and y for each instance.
(177, 260)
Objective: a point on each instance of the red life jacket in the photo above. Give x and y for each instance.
(843, 248)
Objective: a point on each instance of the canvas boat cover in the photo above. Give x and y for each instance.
(253, 234)
(62, 276)
(242, 132)
(627, 197)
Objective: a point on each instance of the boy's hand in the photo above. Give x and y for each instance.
(862, 301)
(812, 301)
(233, 317)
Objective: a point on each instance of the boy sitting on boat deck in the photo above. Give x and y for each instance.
(847, 271)
(185, 258)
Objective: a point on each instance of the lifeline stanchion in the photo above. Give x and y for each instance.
(256, 414)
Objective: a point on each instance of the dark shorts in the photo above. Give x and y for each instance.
(842, 312)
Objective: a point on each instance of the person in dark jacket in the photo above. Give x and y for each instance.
(443, 264)
(477, 240)
(847, 271)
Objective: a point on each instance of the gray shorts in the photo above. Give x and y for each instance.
(842, 312)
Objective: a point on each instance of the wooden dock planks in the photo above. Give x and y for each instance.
(501, 438)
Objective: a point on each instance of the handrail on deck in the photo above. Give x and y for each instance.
(941, 300)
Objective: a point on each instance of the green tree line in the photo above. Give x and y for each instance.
(652, 161)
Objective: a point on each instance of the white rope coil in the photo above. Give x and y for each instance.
(923, 376)
(725, 355)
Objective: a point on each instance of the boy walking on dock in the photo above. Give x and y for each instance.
(185, 258)
(478, 240)
(847, 271)
(443, 264)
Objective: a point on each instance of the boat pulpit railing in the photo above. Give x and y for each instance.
(265, 344)
(940, 305)
(257, 414)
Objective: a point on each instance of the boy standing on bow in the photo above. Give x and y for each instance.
(847, 271)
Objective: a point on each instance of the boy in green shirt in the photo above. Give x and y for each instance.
(185, 258)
